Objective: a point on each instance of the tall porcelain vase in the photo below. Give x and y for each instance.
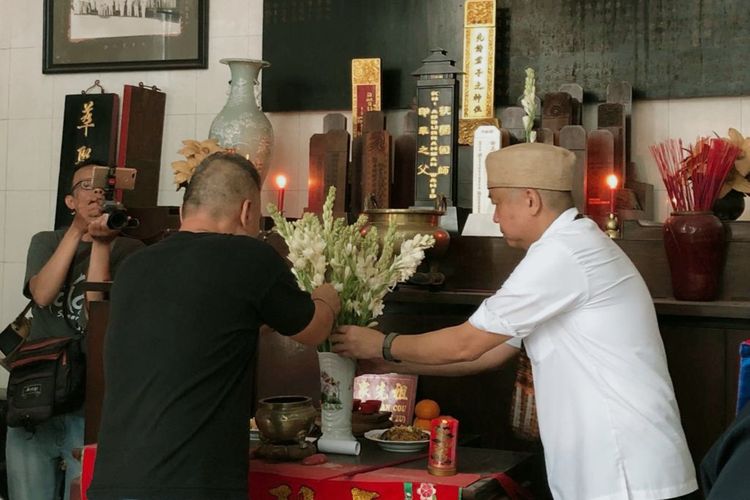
(241, 124)
(336, 388)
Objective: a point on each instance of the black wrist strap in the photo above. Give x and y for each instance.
(387, 341)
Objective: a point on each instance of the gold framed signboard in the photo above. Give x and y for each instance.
(365, 90)
(478, 96)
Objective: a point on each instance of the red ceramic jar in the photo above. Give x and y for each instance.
(695, 244)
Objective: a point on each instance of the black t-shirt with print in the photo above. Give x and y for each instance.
(182, 334)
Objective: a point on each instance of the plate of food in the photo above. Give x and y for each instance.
(400, 439)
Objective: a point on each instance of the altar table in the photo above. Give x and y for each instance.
(483, 474)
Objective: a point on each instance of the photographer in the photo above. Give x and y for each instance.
(57, 263)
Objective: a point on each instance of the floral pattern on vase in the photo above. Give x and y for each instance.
(336, 388)
(241, 125)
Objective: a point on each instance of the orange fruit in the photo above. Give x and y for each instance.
(423, 423)
(427, 409)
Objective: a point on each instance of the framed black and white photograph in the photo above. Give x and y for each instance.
(124, 35)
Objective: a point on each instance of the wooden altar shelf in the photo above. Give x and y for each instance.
(664, 306)
(493, 260)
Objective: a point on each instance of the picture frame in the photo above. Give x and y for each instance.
(124, 35)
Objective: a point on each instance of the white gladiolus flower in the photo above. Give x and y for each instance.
(529, 104)
(360, 268)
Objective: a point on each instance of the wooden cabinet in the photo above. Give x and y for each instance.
(703, 359)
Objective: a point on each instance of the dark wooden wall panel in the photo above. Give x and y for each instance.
(665, 48)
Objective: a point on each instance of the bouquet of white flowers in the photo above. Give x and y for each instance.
(361, 271)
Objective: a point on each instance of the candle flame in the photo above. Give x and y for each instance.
(281, 181)
(612, 181)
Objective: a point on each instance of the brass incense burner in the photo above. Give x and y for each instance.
(284, 423)
(410, 222)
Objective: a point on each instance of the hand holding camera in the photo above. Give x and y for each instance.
(100, 230)
(107, 180)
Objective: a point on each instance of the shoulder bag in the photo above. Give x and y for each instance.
(47, 378)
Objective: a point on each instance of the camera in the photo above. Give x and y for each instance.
(118, 215)
(108, 179)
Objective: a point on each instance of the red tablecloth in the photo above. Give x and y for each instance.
(272, 481)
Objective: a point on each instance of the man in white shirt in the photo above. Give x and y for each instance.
(607, 414)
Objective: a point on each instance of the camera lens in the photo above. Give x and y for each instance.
(117, 219)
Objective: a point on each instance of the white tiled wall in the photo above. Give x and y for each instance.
(32, 105)
(654, 121)
(31, 108)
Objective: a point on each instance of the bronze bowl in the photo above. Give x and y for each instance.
(409, 222)
(285, 419)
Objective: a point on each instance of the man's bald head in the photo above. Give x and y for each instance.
(220, 184)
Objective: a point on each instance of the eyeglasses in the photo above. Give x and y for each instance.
(85, 184)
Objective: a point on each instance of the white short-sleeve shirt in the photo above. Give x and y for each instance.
(607, 413)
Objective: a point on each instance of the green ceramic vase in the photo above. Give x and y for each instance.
(241, 125)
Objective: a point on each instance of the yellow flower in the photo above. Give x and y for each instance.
(194, 152)
(737, 177)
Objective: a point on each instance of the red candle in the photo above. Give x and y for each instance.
(281, 184)
(443, 443)
(612, 183)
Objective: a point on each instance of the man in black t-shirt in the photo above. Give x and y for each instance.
(58, 264)
(183, 329)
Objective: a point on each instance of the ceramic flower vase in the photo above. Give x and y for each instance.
(241, 125)
(336, 390)
(695, 244)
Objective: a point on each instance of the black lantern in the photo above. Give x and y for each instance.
(437, 129)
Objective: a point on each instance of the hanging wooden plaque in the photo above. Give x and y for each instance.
(89, 134)
(140, 142)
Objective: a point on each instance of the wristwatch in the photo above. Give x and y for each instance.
(387, 341)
